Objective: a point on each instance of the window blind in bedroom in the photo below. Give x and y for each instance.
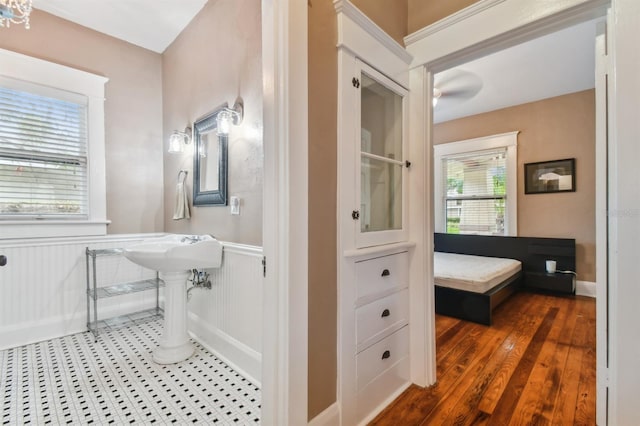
(43, 152)
(475, 192)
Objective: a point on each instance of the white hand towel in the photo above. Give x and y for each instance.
(182, 199)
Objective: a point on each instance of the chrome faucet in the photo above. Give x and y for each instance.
(190, 239)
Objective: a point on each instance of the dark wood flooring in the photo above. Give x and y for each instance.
(536, 365)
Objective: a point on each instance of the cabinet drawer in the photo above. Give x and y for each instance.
(382, 274)
(381, 356)
(375, 319)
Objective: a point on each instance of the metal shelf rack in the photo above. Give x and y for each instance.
(95, 292)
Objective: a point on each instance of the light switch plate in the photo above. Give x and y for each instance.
(234, 203)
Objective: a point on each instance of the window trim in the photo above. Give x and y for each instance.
(504, 140)
(37, 71)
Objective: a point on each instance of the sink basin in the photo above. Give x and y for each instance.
(175, 253)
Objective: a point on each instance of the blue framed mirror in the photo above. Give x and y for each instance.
(209, 162)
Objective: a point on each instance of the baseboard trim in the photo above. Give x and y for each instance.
(586, 288)
(22, 334)
(329, 417)
(236, 354)
(372, 415)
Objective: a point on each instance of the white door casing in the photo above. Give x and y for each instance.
(284, 65)
(487, 26)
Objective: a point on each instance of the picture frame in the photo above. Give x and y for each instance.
(546, 177)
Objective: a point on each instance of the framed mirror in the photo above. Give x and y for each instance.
(209, 162)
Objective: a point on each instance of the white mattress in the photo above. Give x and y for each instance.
(472, 273)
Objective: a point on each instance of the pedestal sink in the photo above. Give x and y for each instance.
(174, 256)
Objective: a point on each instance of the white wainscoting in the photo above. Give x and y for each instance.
(43, 286)
(228, 318)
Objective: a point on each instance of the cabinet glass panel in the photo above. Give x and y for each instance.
(380, 157)
(381, 195)
(381, 117)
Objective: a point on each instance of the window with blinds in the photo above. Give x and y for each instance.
(43, 154)
(475, 192)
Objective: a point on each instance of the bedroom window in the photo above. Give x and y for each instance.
(43, 154)
(476, 186)
(52, 151)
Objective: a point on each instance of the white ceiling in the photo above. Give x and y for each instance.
(152, 24)
(552, 65)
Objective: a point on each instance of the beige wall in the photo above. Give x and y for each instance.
(551, 129)
(426, 12)
(133, 111)
(323, 91)
(323, 103)
(217, 59)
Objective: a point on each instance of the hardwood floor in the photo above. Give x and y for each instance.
(536, 365)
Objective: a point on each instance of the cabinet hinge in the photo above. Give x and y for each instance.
(355, 215)
(355, 82)
(264, 266)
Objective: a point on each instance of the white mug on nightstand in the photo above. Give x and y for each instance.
(551, 266)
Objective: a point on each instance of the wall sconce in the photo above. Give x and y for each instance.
(228, 116)
(178, 140)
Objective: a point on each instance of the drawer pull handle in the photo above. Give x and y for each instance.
(385, 313)
(386, 273)
(386, 354)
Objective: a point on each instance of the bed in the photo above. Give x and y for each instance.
(474, 274)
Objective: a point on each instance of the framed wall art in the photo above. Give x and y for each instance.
(550, 176)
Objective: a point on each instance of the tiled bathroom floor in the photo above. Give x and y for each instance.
(72, 380)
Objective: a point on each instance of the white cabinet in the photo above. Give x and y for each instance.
(382, 330)
(374, 329)
(374, 252)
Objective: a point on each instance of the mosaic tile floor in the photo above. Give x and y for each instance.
(73, 380)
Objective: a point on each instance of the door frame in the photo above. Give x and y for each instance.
(485, 27)
(285, 213)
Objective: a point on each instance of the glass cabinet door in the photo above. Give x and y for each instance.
(381, 155)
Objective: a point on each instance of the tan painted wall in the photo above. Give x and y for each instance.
(323, 87)
(426, 12)
(217, 59)
(551, 129)
(133, 111)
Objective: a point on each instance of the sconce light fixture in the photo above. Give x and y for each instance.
(179, 139)
(228, 116)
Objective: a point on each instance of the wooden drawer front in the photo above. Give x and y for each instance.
(377, 318)
(381, 356)
(382, 274)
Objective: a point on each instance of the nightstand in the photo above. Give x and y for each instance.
(556, 282)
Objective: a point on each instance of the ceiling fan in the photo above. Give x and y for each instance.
(455, 84)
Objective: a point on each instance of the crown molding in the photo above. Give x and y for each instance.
(356, 15)
(463, 14)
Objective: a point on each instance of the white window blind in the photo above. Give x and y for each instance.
(43, 153)
(475, 192)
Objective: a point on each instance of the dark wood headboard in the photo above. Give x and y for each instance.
(532, 252)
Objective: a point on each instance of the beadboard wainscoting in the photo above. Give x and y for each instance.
(43, 286)
(227, 319)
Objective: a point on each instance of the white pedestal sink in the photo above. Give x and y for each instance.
(174, 256)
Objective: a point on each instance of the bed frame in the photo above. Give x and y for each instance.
(532, 252)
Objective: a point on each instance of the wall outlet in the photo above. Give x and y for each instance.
(234, 203)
